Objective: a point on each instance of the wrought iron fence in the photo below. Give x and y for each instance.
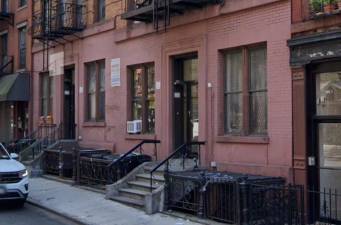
(185, 193)
(222, 201)
(324, 206)
(59, 162)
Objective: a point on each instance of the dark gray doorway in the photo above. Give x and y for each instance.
(69, 104)
(185, 100)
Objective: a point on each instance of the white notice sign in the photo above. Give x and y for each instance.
(115, 72)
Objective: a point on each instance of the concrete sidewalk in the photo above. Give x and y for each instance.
(91, 208)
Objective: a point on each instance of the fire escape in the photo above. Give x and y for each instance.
(6, 20)
(55, 22)
(159, 12)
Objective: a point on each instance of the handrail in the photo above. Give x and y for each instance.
(179, 149)
(139, 146)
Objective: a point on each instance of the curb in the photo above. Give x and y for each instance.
(56, 212)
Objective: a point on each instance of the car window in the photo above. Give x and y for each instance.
(3, 152)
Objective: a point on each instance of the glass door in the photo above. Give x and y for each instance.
(326, 133)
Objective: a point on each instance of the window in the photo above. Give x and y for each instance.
(22, 3)
(100, 10)
(4, 6)
(22, 47)
(95, 79)
(4, 49)
(245, 94)
(46, 93)
(143, 96)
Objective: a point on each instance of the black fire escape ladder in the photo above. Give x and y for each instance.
(6, 65)
(161, 10)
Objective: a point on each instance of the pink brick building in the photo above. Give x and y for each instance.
(218, 74)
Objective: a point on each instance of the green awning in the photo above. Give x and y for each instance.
(14, 87)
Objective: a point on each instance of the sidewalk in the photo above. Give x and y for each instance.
(91, 208)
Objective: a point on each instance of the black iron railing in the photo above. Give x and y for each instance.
(183, 152)
(47, 136)
(116, 168)
(56, 21)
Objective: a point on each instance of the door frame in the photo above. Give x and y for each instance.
(69, 67)
(175, 61)
(313, 121)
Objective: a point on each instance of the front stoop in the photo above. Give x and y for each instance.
(134, 189)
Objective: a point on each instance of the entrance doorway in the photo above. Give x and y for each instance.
(185, 100)
(69, 104)
(324, 157)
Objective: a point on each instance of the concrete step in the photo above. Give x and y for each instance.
(128, 201)
(146, 177)
(133, 193)
(143, 185)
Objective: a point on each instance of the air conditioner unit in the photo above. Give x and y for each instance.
(134, 127)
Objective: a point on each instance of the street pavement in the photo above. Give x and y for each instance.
(29, 215)
(92, 208)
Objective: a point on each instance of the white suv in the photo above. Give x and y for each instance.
(13, 178)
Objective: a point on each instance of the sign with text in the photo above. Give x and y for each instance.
(116, 72)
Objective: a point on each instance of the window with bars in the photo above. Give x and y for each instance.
(95, 91)
(143, 96)
(22, 47)
(46, 94)
(245, 93)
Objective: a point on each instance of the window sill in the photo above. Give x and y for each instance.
(243, 139)
(94, 124)
(140, 137)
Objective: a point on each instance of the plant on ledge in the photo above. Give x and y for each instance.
(320, 7)
(329, 6)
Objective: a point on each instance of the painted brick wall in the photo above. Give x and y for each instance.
(269, 23)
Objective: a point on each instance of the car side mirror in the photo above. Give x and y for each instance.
(14, 156)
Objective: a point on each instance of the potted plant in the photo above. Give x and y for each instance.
(339, 4)
(329, 6)
(317, 6)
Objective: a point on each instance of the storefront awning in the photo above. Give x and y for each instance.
(14, 87)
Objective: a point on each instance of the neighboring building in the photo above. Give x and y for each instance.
(218, 74)
(316, 75)
(15, 67)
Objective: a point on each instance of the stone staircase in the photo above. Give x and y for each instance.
(134, 189)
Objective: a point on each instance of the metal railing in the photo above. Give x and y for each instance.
(120, 171)
(47, 137)
(183, 151)
(59, 20)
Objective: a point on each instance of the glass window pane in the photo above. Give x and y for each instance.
(137, 82)
(190, 69)
(329, 144)
(258, 69)
(92, 106)
(91, 82)
(151, 81)
(258, 113)
(101, 105)
(151, 116)
(137, 110)
(101, 77)
(234, 72)
(328, 93)
(234, 113)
